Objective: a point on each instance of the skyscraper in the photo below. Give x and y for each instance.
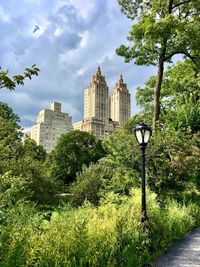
(120, 103)
(96, 100)
(104, 114)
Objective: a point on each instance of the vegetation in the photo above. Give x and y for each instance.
(110, 235)
(73, 150)
(163, 29)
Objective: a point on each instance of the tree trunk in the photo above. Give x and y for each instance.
(156, 105)
(161, 60)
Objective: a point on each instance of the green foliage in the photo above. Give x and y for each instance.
(10, 133)
(73, 150)
(180, 96)
(108, 175)
(161, 30)
(6, 113)
(22, 174)
(122, 148)
(17, 225)
(173, 159)
(185, 115)
(117, 172)
(101, 178)
(180, 81)
(34, 151)
(13, 189)
(11, 83)
(87, 185)
(163, 27)
(110, 235)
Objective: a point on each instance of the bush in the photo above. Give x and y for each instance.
(98, 179)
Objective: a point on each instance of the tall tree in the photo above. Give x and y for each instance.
(162, 29)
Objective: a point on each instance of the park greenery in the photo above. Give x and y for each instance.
(161, 30)
(80, 205)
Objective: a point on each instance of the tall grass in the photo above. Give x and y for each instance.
(110, 235)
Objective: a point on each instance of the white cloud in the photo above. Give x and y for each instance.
(81, 71)
(84, 39)
(58, 32)
(84, 8)
(3, 15)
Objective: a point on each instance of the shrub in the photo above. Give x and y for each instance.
(98, 179)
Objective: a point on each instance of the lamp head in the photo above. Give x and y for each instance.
(142, 134)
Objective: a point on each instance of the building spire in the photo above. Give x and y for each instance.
(121, 79)
(98, 70)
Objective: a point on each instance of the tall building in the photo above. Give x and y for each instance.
(120, 103)
(104, 114)
(96, 97)
(50, 124)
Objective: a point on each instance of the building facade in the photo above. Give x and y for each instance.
(120, 106)
(104, 114)
(101, 128)
(96, 98)
(50, 124)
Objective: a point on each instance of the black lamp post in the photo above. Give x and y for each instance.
(143, 133)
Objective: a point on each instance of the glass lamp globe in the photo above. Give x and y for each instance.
(142, 133)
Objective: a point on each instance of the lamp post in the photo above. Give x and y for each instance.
(142, 134)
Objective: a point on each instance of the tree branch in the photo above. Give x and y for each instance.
(186, 53)
(181, 3)
(170, 7)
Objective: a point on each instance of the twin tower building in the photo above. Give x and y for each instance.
(103, 113)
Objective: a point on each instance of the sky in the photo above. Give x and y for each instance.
(74, 37)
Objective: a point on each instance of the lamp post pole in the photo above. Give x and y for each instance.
(144, 211)
(142, 134)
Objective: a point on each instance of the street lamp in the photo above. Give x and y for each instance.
(142, 134)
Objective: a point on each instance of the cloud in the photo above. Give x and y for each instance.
(4, 17)
(74, 38)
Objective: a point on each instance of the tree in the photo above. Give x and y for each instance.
(122, 148)
(73, 150)
(10, 137)
(31, 149)
(173, 162)
(22, 173)
(163, 29)
(179, 99)
(11, 83)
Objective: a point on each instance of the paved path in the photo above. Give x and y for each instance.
(185, 253)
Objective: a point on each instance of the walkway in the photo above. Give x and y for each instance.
(185, 253)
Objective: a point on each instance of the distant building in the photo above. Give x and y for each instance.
(120, 103)
(104, 114)
(96, 98)
(101, 128)
(50, 124)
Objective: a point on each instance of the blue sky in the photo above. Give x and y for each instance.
(75, 36)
